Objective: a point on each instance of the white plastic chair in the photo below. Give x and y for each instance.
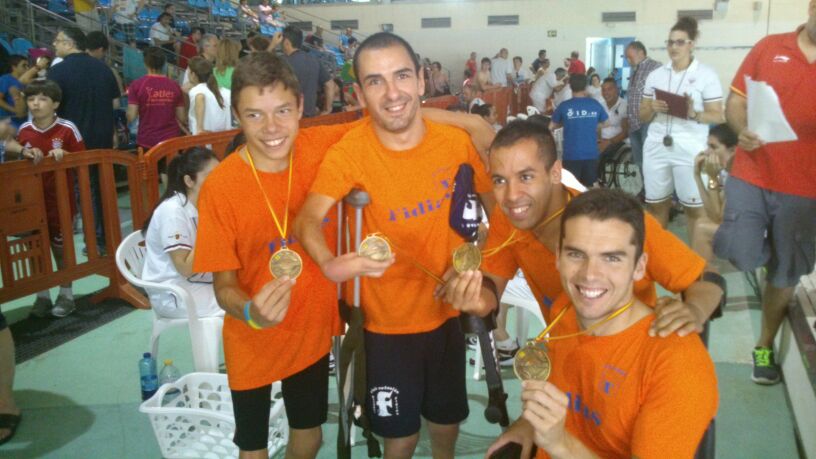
(525, 308)
(205, 332)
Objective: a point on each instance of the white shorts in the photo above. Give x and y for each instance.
(167, 305)
(671, 169)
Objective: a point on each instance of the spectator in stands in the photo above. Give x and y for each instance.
(248, 18)
(89, 91)
(351, 48)
(278, 16)
(97, 46)
(344, 39)
(471, 64)
(439, 83)
(563, 92)
(208, 49)
(125, 17)
(472, 96)
(209, 104)
(619, 390)
(770, 206)
(520, 74)
(49, 133)
(488, 113)
(226, 58)
(616, 129)
(189, 46)
(483, 79)
(675, 139)
(87, 18)
(315, 39)
(591, 71)
(574, 64)
(163, 36)
(581, 117)
(170, 237)
(170, 8)
(501, 69)
(642, 66)
(157, 101)
(715, 162)
(539, 61)
(310, 74)
(12, 102)
(269, 14)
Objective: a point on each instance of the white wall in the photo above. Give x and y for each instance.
(723, 42)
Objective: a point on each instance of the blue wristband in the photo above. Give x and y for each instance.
(248, 318)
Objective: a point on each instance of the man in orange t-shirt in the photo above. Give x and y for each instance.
(615, 391)
(527, 186)
(275, 329)
(415, 353)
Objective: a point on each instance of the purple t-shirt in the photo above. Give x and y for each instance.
(157, 97)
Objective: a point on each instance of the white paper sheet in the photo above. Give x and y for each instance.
(765, 115)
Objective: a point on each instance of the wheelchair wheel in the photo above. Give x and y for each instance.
(627, 174)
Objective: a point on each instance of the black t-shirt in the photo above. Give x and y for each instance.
(88, 90)
(311, 75)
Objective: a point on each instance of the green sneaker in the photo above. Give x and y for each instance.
(765, 369)
(42, 308)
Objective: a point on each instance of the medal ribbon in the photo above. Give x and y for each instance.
(283, 229)
(543, 335)
(416, 263)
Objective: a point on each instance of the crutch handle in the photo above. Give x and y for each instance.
(357, 199)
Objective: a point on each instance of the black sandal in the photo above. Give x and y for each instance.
(9, 421)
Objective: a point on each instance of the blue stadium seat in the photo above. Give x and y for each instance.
(59, 7)
(269, 30)
(21, 46)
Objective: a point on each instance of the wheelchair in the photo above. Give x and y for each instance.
(617, 169)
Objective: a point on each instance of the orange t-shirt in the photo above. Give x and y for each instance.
(671, 263)
(632, 395)
(410, 201)
(237, 232)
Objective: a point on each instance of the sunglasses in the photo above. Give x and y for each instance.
(679, 42)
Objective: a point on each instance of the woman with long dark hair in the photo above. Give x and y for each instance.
(676, 136)
(209, 104)
(170, 234)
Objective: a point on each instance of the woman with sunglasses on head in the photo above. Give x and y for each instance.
(678, 132)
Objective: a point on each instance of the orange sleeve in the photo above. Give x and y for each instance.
(215, 248)
(671, 263)
(501, 263)
(338, 173)
(481, 180)
(680, 402)
(328, 134)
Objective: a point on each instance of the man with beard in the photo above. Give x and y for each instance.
(415, 349)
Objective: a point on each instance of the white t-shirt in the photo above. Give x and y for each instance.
(172, 227)
(542, 90)
(699, 81)
(617, 113)
(125, 11)
(160, 33)
(595, 93)
(499, 68)
(521, 75)
(562, 96)
(216, 119)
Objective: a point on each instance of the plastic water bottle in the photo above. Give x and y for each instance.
(147, 375)
(169, 374)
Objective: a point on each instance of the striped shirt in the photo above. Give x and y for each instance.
(635, 92)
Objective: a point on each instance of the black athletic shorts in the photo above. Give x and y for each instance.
(413, 375)
(3, 323)
(305, 396)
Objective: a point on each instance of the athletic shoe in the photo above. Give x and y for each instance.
(506, 356)
(63, 307)
(42, 308)
(472, 342)
(765, 369)
(332, 363)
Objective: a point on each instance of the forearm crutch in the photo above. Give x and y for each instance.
(351, 355)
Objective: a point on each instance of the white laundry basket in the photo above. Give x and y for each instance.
(199, 422)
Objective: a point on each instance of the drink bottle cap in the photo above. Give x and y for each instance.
(146, 355)
(168, 361)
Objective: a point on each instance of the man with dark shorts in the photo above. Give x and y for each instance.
(770, 197)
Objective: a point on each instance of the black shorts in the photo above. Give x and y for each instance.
(305, 397)
(413, 375)
(3, 323)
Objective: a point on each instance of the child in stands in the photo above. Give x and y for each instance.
(47, 132)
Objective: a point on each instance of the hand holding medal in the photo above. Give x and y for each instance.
(269, 306)
(283, 262)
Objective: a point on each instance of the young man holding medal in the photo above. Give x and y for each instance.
(527, 185)
(415, 349)
(616, 391)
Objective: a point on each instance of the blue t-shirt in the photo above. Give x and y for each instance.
(7, 82)
(580, 117)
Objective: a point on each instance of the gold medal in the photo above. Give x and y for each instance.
(285, 262)
(532, 362)
(467, 257)
(375, 248)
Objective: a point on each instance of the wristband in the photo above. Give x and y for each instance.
(248, 318)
